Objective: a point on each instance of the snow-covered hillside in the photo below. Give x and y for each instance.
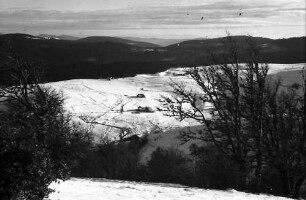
(115, 105)
(96, 189)
(114, 101)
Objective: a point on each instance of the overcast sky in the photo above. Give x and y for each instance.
(155, 18)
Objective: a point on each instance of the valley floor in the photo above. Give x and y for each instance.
(96, 189)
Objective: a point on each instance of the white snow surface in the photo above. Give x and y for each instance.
(98, 189)
(276, 68)
(105, 98)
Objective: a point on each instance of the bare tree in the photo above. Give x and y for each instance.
(283, 139)
(245, 123)
(253, 83)
(222, 88)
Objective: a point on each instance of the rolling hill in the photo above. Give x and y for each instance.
(61, 37)
(101, 57)
(291, 50)
(98, 39)
(158, 41)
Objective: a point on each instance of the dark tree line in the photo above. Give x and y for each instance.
(254, 121)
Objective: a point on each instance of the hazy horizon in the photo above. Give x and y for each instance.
(164, 19)
(144, 38)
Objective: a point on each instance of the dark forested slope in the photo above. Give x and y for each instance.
(100, 57)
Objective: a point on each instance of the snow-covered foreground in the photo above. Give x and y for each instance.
(98, 189)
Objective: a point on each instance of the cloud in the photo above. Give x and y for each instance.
(216, 15)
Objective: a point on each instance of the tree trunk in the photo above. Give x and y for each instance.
(285, 183)
(258, 171)
(297, 187)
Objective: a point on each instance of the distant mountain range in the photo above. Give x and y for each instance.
(65, 57)
(61, 37)
(99, 39)
(157, 41)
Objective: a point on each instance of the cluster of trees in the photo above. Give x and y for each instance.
(256, 122)
(206, 168)
(112, 159)
(38, 142)
(120, 160)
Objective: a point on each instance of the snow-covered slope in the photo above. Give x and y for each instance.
(276, 68)
(98, 189)
(113, 103)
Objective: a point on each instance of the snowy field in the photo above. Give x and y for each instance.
(113, 102)
(114, 105)
(103, 189)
